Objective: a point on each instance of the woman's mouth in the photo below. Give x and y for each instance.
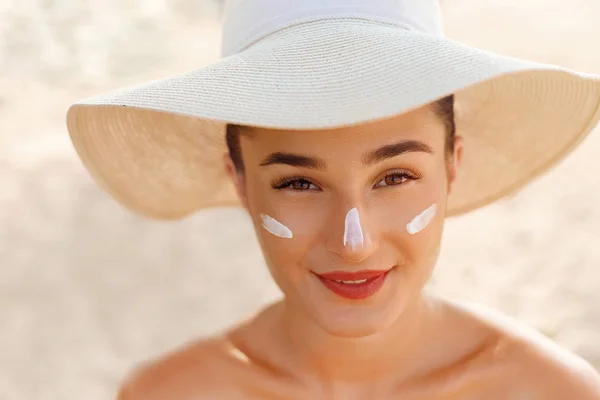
(354, 285)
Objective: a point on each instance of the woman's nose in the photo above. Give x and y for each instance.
(350, 238)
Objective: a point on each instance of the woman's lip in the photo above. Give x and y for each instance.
(352, 276)
(367, 287)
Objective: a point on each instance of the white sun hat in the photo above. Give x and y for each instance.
(314, 64)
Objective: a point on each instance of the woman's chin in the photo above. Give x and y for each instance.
(354, 323)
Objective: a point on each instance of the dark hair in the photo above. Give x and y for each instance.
(443, 108)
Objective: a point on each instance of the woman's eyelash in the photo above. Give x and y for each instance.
(402, 174)
(288, 182)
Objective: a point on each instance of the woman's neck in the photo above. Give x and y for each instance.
(302, 348)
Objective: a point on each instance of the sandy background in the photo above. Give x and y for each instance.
(87, 290)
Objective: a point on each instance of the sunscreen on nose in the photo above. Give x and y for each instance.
(275, 227)
(353, 235)
(420, 222)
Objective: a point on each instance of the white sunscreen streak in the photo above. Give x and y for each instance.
(275, 227)
(353, 234)
(420, 222)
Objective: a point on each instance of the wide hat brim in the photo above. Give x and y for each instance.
(158, 147)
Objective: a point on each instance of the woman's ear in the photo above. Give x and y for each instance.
(455, 162)
(237, 178)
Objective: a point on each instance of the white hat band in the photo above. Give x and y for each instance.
(247, 21)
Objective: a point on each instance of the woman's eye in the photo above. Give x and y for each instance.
(296, 184)
(395, 178)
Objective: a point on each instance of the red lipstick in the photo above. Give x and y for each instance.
(354, 285)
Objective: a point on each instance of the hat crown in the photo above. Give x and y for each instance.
(247, 21)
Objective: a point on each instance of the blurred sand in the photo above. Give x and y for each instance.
(87, 290)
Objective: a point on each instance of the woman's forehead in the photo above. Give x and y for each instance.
(419, 125)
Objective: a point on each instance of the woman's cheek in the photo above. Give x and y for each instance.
(286, 233)
(409, 221)
(423, 237)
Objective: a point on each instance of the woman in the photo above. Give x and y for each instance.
(348, 130)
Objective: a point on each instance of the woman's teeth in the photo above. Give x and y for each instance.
(352, 282)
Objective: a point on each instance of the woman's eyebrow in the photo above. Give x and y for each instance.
(392, 150)
(375, 156)
(295, 160)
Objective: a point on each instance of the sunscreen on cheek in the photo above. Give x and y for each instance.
(275, 227)
(420, 222)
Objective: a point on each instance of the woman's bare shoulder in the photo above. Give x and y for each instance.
(200, 370)
(536, 362)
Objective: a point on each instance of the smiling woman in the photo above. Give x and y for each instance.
(332, 124)
(350, 211)
(409, 155)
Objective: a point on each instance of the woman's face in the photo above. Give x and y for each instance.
(364, 198)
